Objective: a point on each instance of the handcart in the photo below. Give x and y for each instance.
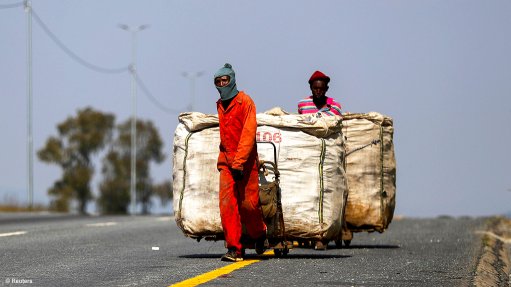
(271, 205)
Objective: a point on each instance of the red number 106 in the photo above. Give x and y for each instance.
(269, 137)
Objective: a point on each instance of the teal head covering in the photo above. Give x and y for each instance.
(227, 92)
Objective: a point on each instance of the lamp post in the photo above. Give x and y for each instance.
(192, 77)
(133, 177)
(30, 144)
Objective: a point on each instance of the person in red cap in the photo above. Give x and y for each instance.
(238, 166)
(318, 103)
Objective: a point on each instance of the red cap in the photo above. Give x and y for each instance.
(319, 76)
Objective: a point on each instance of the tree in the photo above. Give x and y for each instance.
(79, 138)
(163, 190)
(114, 189)
(117, 165)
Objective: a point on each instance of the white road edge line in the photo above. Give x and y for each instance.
(12, 233)
(165, 218)
(101, 224)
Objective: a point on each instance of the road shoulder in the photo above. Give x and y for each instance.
(493, 267)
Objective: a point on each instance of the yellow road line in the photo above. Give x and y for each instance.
(203, 278)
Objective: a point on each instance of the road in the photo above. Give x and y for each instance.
(151, 251)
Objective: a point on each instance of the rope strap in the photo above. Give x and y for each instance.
(373, 142)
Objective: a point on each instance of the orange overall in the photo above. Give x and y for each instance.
(239, 200)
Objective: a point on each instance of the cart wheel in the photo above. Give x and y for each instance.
(347, 243)
(278, 252)
(338, 243)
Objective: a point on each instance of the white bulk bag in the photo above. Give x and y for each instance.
(310, 158)
(370, 171)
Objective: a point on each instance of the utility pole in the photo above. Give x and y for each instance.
(133, 69)
(192, 77)
(30, 143)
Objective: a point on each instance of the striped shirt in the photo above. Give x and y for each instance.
(307, 106)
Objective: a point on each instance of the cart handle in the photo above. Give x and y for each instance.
(274, 152)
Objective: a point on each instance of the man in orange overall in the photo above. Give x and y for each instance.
(238, 166)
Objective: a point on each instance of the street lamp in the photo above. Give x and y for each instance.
(30, 143)
(192, 77)
(133, 179)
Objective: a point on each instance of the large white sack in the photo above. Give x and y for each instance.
(320, 127)
(195, 181)
(370, 171)
(312, 178)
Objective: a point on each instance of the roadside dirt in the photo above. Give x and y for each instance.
(493, 267)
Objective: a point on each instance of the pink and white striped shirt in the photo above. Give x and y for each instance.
(307, 106)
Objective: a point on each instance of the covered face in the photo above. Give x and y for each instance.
(225, 82)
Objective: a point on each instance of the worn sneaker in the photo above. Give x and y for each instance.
(232, 256)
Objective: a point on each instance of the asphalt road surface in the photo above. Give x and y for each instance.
(152, 251)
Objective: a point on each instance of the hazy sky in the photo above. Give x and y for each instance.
(441, 69)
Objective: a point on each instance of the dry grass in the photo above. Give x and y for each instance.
(10, 204)
(17, 208)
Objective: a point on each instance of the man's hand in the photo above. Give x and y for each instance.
(237, 174)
